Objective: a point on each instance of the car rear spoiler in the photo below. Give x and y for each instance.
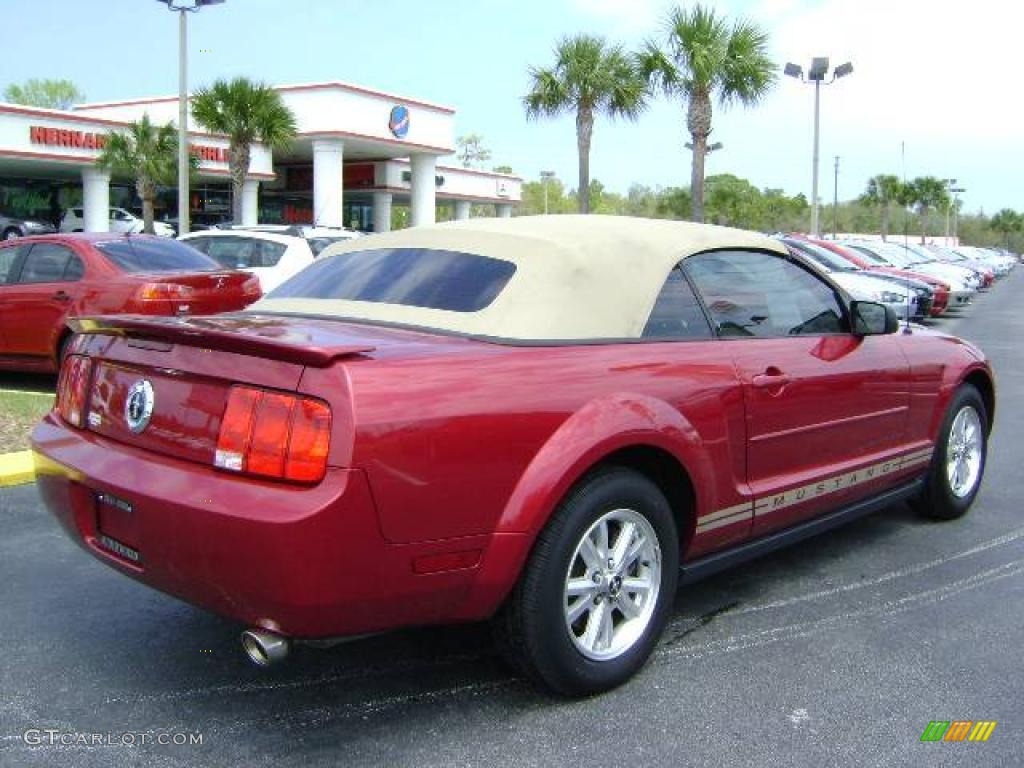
(257, 336)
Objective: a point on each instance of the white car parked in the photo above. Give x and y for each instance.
(121, 220)
(271, 252)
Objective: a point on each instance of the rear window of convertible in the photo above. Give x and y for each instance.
(414, 277)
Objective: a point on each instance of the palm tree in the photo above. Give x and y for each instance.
(703, 57)
(149, 154)
(1006, 222)
(246, 112)
(924, 194)
(589, 77)
(883, 190)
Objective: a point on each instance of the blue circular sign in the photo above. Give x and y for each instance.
(399, 122)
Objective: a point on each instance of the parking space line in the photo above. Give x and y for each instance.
(32, 392)
(16, 468)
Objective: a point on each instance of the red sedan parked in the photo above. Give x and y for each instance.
(46, 280)
(551, 421)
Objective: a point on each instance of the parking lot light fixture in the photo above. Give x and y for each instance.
(950, 183)
(183, 7)
(956, 192)
(546, 176)
(816, 74)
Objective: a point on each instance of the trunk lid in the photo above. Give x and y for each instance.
(162, 384)
(195, 293)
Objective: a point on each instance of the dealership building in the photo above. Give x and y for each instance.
(358, 154)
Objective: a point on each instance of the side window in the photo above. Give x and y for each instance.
(7, 258)
(45, 263)
(268, 253)
(201, 244)
(677, 313)
(75, 270)
(760, 294)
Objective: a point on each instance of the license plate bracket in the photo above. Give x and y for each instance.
(117, 526)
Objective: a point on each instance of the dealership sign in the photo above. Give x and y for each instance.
(398, 123)
(62, 137)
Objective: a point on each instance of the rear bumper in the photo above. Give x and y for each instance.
(303, 561)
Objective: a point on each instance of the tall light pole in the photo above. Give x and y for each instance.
(182, 7)
(957, 191)
(835, 201)
(816, 74)
(950, 183)
(545, 176)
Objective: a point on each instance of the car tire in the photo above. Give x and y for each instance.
(958, 463)
(573, 624)
(11, 234)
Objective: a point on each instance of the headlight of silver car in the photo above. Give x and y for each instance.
(890, 297)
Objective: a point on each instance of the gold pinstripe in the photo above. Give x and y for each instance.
(764, 506)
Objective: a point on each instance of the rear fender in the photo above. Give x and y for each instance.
(598, 429)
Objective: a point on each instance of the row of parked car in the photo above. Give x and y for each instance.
(46, 278)
(917, 281)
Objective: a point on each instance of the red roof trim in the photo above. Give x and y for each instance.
(470, 171)
(379, 140)
(308, 87)
(439, 195)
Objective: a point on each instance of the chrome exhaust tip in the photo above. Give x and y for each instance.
(265, 648)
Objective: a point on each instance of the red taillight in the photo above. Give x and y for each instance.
(310, 438)
(72, 388)
(251, 287)
(164, 292)
(270, 433)
(274, 435)
(235, 427)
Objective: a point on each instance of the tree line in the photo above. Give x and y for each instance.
(885, 208)
(698, 58)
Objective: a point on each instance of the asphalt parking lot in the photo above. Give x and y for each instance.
(839, 651)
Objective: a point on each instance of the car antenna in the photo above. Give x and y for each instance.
(906, 237)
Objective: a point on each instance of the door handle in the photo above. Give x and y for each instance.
(771, 378)
(62, 296)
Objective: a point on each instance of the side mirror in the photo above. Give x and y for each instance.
(871, 319)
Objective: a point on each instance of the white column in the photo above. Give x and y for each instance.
(504, 210)
(250, 202)
(328, 182)
(424, 190)
(462, 209)
(381, 211)
(96, 200)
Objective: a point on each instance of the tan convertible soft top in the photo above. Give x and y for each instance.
(577, 277)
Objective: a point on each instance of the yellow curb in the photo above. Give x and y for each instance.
(16, 468)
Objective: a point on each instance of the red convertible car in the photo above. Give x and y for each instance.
(47, 279)
(547, 421)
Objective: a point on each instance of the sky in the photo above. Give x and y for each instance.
(934, 89)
